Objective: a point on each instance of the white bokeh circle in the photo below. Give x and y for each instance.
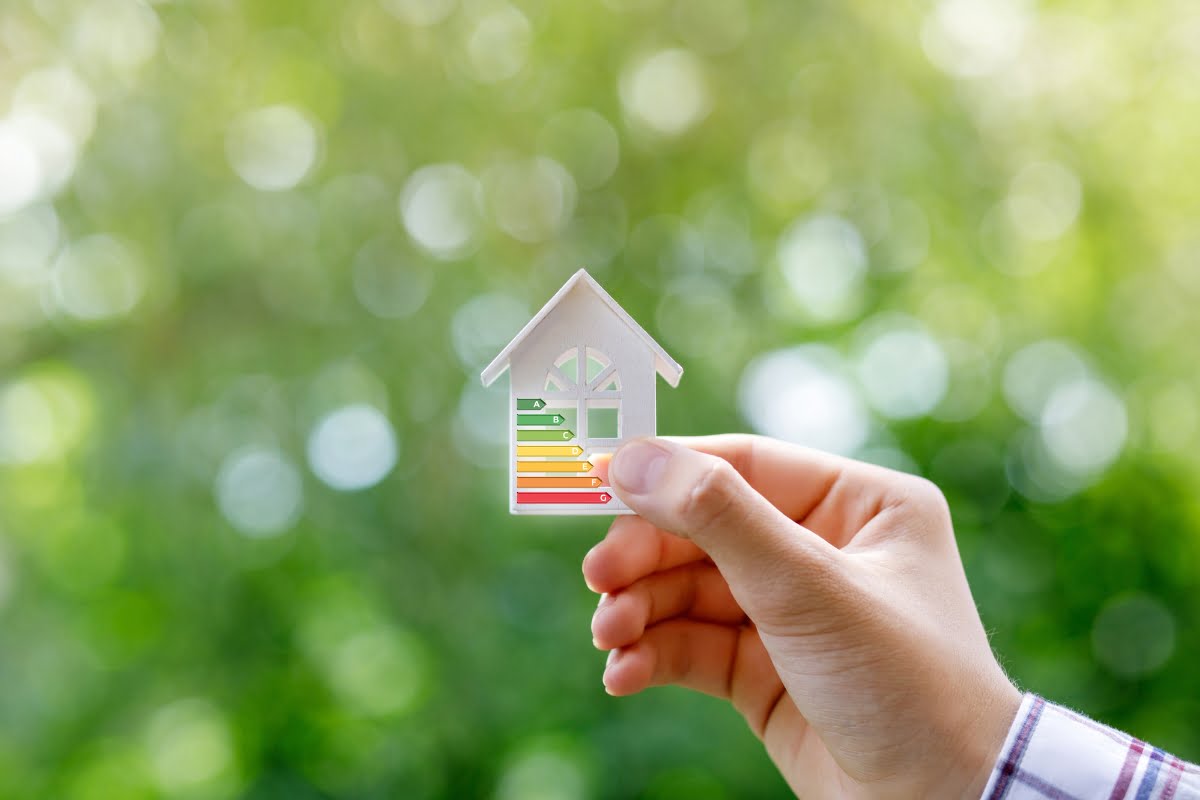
(259, 491)
(352, 447)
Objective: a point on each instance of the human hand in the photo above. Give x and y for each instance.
(824, 597)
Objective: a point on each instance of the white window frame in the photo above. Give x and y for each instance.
(585, 390)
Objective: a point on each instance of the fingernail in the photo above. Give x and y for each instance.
(612, 659)
(605, 601)
(583, 568)
(638, 467)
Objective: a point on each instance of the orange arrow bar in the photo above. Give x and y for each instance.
(549, 450)
(554, 466)
(565, 482)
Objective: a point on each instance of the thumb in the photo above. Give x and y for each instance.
(703, 498)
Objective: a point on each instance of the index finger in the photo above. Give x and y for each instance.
(792, 478)
(809, 486)
(800, 481)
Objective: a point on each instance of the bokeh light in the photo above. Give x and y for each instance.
(190, 749)
(1043, 200)
(28, 242)
(58, 93)
(585, 143)
(975, 38)
(543, 772)
(803, 395)
(666, 92)
(45, 414)
(902, 368)
(116, 38)
(786, 167)
(379, 671)
(1084, 426)
(479, 434)
(353, 447)
(272, 148)
(26, 425)
(389, 280)
(258, 490)
(1034, 372)
(483, 326)
(824, 262)
(1134, 635)
(442, 209)
(21, 177)
(253, 256)
(696, 318)
(531, 201)
(498, 44)
(97, 278)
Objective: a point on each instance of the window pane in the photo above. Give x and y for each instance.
(568, 362)
(597, 362)
(594, 369)
(603, 423)
(570, 368)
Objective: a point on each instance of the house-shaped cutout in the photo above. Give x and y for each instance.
(582, 382)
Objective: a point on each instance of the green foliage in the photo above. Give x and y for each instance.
(253, 528)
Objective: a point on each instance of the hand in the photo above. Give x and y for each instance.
(824, 597)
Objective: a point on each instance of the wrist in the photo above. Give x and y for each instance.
(984, 737)
(970, 736)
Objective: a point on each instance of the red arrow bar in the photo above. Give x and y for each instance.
(563, 497)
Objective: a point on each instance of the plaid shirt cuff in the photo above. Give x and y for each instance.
(1052, 752)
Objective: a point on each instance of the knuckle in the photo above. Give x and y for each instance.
(712, 498)
(740, 449)
(643, 602)
(923, 488)
(926, 497)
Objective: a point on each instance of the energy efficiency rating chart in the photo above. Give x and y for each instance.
(552, 467)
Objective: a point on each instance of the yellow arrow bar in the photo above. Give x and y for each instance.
(549, 450)
(554, 466)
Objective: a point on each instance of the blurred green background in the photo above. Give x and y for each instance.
(253, 255)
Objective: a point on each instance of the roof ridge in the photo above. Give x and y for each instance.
(666, 366)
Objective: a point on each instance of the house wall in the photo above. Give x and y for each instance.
(581, 319)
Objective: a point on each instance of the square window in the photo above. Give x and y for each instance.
(603, 421)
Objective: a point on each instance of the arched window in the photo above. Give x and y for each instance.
(592, 377)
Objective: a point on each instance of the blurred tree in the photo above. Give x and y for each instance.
(253, 539)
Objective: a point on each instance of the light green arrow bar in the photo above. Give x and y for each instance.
(545, 436)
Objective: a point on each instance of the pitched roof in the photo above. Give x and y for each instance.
(663, 363)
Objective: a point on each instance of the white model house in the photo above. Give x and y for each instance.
(582, 381)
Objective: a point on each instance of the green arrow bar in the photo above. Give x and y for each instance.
(545, 436)
(529, 404)
(539, 419)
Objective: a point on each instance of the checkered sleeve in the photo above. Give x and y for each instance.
(1052, 752)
